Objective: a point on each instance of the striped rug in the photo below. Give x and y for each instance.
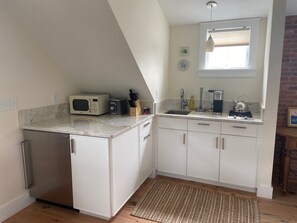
(171, 203)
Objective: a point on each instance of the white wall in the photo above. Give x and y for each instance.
(147, 33)
(188, 36)
(27, 74)
(85, 40)
(272, 74)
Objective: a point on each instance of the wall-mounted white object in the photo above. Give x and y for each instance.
(8, 104)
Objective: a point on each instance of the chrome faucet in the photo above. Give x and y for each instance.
(183, 100)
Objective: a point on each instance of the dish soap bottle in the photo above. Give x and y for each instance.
(192, 103)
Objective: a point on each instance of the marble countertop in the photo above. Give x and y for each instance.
(210, 116)
(107, 126)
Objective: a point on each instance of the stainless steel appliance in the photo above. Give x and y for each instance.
(241, 105)
(118, 106)
(217, 101)
(240, 115)
(89, 104)
(47, 166)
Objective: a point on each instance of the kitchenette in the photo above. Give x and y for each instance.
(222, 135)
(87, 156)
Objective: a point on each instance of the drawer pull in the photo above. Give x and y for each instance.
(206, 124)
(145, 138)
(239, 127)
(147, 124)
(217, 142)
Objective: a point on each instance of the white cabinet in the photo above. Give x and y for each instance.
(222, 152)
(203, 155)
(145, 151)
(107, 172)
(125, 167)
(90, 175)
(203, 149)
(238, 164)
(172, 145)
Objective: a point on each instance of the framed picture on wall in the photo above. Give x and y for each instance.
(292, 116)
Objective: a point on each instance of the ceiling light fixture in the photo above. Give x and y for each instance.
(210, 43)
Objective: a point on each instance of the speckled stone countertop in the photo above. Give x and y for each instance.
(107, 126)
(211, 117)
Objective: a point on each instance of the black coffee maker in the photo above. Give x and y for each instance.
(217, 101)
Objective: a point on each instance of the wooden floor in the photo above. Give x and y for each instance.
(279, 210)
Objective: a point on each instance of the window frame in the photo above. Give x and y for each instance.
(254, 40)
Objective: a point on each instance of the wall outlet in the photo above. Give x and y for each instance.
(55, 98)
(8, 104)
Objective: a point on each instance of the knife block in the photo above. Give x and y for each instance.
(135, 111)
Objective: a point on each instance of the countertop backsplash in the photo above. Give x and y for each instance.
(56, 111)
(174, 104)
(43, 113)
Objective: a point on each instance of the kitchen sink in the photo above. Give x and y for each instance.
(178, 112)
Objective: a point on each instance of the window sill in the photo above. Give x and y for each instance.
(227, 73)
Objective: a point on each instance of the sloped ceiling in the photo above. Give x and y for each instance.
(83, 38)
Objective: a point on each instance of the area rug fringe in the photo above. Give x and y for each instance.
(172, 203)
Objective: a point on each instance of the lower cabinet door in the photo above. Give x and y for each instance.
(125, 167)
(145, 156)
(238, 164)
(172, 151)
(90, 175)
(203, 155)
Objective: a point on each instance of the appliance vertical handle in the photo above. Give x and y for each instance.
(217, 142)
(223, 143)
(72, 145)
(26, 163)
(90, 109)
(184, 138)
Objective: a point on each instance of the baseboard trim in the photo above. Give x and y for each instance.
(14, 206)
(265, 191)
(215, 183)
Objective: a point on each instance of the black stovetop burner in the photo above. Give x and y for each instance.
(240, 114)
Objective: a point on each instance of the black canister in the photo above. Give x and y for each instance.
(217, 101)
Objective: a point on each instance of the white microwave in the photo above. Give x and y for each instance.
(89, 104)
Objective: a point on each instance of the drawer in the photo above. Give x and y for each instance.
(172, 123)
(204, 126)
(241, 129)
(146, 127)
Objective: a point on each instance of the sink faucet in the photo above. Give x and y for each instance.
(183, 101)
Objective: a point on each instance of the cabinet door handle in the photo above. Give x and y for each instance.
(145, 138)
(147, 124)
(223, 143)
(217, 142)
(184, 139)
(239, 127)
(72, 145)
(26, 163)
(206, 124)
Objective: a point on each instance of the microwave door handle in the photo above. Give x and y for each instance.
(89, 105)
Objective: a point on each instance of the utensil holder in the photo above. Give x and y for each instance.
(134, 111)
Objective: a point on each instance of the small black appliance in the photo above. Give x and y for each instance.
(217, 101)
(118, 106)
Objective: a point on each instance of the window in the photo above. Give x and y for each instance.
(235, 48)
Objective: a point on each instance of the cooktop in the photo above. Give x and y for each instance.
(240, 115)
